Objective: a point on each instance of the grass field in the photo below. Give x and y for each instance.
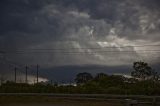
(52, 101)
(21, 100)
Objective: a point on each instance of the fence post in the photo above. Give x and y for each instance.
(154, 101)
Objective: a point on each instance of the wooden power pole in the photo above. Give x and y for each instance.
(26, 74)
(15, 73)
(37, 72)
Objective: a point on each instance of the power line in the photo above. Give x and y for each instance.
(59, 49)
(98, 47)
(88, 52)
(74, 50)
(22, 67)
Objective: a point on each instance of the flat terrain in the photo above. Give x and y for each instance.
(52, 101)
(67, 104)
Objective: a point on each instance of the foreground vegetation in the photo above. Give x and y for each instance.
(145, 81)
(106, 85)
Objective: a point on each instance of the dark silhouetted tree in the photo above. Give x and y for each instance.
(100, 76)
(83, 78)
(155, 76)
(143, 71)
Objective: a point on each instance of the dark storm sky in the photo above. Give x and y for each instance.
(78, 34)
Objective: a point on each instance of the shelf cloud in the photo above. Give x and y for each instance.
(56, 33)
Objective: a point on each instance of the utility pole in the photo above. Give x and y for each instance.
(51, 82)
(15, 71)
(37, 72)
(1, 80)
(26, 74)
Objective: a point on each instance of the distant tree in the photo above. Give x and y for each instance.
(155, 76)
(55, 84)
(143, 71)
(83, 78)
(117, 79)
(2, 79)
(100, 76)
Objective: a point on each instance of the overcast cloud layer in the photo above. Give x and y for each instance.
(59, 26)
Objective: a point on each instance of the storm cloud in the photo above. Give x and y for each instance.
(58, 33)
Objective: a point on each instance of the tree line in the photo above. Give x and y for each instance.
(143, 81)
(142, 71)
